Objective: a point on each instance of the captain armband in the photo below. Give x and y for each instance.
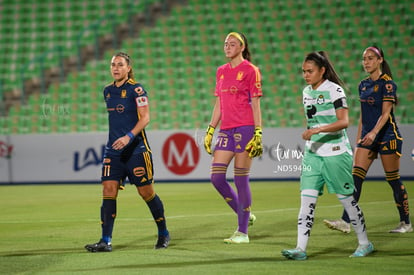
(340, 103)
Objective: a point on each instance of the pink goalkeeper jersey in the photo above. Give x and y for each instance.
(235, 87)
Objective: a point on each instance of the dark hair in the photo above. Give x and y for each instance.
(246, 53)
(321, 59)
(128, 61)
(385, 68)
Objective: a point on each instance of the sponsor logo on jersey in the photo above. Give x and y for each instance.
(139, 91)
(120, 108)
(371, 100)
(237, 137)
(389, 88)
(139, 171)
(233, 89)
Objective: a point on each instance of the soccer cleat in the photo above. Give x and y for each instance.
(100, 246)
(295, 254)
(237, 237)
(339, 225)
(402, 228)
(252, 219)
(162, 242)
(363, 250)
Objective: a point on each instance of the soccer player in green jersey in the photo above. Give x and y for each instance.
(328, 154)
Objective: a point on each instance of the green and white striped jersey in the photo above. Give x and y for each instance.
(319, 111)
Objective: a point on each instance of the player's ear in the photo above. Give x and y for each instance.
(323, 70)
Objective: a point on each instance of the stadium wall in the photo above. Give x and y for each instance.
(178, 156)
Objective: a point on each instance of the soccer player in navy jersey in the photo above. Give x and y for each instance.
(127, 152)
(378, 133)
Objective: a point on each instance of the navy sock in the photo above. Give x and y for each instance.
(157, 210)
(108, 214)
(400, 195)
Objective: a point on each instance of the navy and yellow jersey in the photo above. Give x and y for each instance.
(122, 104)
(371, 95)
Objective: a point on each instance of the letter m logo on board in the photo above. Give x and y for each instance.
(180, 154)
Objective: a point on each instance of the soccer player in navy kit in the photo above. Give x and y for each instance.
(378, 133)
(127, 153)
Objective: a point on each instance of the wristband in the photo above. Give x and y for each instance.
(131, 135)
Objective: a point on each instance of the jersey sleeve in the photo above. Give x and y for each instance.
(218, 76)
(389, 91)
(256, 83)
(337, 92)
(141, 96)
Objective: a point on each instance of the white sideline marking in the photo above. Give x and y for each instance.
(228, 213)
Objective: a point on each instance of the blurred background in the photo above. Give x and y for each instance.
(55, 56)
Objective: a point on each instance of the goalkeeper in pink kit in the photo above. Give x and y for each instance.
(237, 109)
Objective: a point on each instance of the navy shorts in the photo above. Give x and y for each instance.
(138, 168)
(386, 147)
(234, 139)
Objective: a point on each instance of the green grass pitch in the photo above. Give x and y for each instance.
(43, 229)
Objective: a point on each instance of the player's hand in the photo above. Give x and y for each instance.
(255, 146)
(208, 138)
(368, 139)
(121, 142)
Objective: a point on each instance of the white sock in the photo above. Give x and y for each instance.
(356, 217)
(308, 199)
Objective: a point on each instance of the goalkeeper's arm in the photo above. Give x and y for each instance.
(255, 146)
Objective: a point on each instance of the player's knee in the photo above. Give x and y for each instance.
(110, 188)
(146, 192)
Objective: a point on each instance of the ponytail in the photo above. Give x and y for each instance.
(321, 59)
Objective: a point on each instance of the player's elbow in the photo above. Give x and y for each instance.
(145, 120)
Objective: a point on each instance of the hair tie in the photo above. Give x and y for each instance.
(375, 50)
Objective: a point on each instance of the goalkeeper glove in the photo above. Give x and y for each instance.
(208, 138)
(255, 146)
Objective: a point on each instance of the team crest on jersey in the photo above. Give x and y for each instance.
(239, 76)
(139, 91)
(222, 76)
(320, 100)
(389, 88)
(376, 88)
